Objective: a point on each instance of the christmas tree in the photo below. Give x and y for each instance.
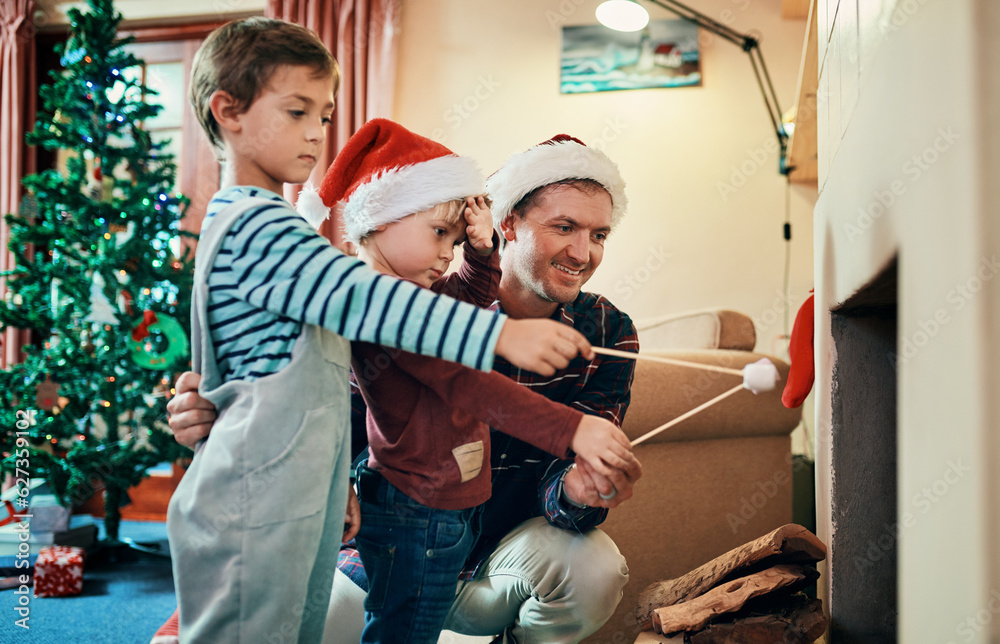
(99, 281)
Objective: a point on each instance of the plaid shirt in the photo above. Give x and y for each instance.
(522, 471)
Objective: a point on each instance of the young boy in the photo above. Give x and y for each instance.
(255, 524)
(403, 199)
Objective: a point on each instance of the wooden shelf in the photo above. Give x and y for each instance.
(802, 146)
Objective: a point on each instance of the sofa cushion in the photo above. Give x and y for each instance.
(710, 329)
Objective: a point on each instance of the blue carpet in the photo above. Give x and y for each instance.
(123, 601)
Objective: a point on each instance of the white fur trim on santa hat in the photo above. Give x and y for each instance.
(550, 163)
(397, 192)
(311, 206)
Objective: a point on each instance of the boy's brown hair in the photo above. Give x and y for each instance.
(239, 58)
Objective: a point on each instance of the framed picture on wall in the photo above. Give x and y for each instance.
(597, 59)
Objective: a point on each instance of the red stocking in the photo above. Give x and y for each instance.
(800, 351)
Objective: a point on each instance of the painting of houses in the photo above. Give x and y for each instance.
(597, 59)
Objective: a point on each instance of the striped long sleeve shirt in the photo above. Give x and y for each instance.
(273, 273)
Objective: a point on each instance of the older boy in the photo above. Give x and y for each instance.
(274, 307)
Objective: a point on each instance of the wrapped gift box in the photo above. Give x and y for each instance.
(59, 571)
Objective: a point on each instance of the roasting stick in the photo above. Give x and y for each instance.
(757, 377)
(686, 415)
(679, 363)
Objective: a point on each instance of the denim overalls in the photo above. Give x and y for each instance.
(256, 522)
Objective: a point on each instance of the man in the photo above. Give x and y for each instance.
(540, 572)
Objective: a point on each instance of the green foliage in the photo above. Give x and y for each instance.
(95, 238)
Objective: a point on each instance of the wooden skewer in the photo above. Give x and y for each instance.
(679, 363)
(687, 415)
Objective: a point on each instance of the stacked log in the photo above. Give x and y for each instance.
(750, 594)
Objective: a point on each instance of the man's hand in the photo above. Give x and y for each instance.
(352, 520)
(479, 228)
(542, 346)
(583, 486)
(604, 447)
(191, 416)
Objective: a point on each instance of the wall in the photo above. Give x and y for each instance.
(706, 201)
(908, 160)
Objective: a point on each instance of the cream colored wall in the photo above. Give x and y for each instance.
(915, 126)
(706, 201)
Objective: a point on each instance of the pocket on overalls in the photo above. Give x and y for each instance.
(296, 483)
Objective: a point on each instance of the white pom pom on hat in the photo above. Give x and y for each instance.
(311, 207)
(561, 158)
(386, 172)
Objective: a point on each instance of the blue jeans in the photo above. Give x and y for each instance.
(413, 556)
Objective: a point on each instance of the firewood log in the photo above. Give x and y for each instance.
(694, 614)
(800, 620)
(790, 543)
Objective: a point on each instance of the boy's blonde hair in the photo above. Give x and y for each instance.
(239, 58)
(450, 212)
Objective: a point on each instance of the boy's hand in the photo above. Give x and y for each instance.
(605, 448)
(479, 228)
(190, 415)
(352, 520)
(542, 346)
(584, 486)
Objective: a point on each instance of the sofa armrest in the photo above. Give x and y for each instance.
(661, 392)
(709, 329)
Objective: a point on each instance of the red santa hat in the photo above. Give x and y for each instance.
(386, 172)
(560, 158)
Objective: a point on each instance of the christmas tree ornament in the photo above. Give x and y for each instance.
(101, 310)
(125, 303)
(123, 232)
(58, 300)
(46, 394)
(143, 352)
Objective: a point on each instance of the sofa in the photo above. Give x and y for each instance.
(712, 482)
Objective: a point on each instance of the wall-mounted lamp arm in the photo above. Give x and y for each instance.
(751, 46)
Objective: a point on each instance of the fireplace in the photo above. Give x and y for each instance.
(863, 543)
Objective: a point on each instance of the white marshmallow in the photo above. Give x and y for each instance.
(760, 376)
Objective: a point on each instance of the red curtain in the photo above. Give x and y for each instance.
(362, 35)
(17, 113)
